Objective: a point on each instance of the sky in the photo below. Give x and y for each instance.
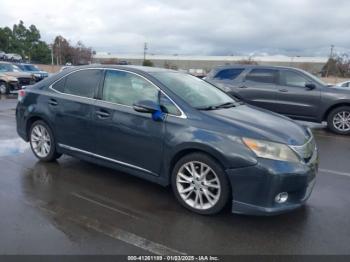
(190, 27)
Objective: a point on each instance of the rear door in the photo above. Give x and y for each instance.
(294, 98)
(72, 107)
(259, 88)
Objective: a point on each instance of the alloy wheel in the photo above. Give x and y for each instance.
(40, 140)
(2, 89)
(198, 185)
(341, 121)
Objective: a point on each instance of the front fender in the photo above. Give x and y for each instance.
(228, 150)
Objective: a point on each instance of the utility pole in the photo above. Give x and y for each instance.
(51, 49)
(332, 49)
(145, 48)
(330, 60)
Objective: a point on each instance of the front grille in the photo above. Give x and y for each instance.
(24, 81)
(13, 86)
(307, 150)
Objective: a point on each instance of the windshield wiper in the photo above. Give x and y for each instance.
(215, 107)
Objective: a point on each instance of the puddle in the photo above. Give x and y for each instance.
(10, 147)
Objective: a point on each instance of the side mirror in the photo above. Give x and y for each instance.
(310, 86)
(148, 106)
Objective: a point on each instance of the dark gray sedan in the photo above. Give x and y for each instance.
(173, 129)
(288, 91)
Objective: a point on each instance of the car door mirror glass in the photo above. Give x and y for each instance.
(310, 86)
(148, 106)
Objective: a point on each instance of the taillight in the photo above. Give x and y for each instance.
(21, 94)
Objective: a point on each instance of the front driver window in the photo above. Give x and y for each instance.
(126, 88)
(290, 78)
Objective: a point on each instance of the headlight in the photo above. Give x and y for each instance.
(12, 79)
(271, 150)
(37, 75)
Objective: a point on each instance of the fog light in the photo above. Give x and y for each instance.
(281, 197)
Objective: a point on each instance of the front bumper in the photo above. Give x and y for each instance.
(254, 188)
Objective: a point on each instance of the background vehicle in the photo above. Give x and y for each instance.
(344, 84)
(12, 78)
(2, 55)
(34, 70)
(65, 68)
(13, 57)
(172, 128)
(288, 91)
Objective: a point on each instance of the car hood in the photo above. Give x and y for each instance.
(258, 123)
(39, 72)
(17, 74)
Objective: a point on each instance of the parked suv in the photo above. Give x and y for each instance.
(173, 129)
(288, 91)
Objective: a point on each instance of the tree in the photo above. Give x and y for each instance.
(5, 39)
(147, 62)
(64, 52)
(41, 53)
(338, 65)
(24, 41)
(27, 42)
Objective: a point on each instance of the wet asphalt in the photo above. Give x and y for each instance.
(75, 207)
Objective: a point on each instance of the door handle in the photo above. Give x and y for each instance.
(283, 90)
(53, 102)
(242, 87)
(102, 114)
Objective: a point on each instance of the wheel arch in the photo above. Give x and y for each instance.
(194, 148)
(331, 108)
(33, 119)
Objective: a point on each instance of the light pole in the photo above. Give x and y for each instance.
(145, 48)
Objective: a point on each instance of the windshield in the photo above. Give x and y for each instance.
(196, 92)
(29, 68)
(9, 68)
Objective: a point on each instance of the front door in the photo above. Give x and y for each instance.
(124, 136)
(294, 98)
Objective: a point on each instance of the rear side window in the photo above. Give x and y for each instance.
(82, 83)
(267, 76)
(228, 74)
(59, 85)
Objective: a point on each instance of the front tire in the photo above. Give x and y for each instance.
(4, 90)
(42, 142)
(338, 120)
(200, 184)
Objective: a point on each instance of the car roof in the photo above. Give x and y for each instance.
(254, 66)
(132, 68)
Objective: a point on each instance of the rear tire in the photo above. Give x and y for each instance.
(338, 120)
(42, 142)
(200, 184)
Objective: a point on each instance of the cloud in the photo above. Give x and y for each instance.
(220, 27)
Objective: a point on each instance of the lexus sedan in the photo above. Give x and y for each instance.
(173, 129)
